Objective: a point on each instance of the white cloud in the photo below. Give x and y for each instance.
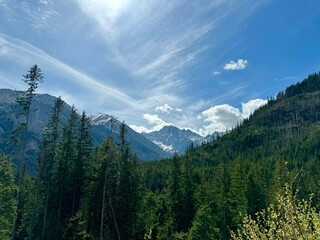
(240, 64)
(217, 118)
(223, 117)
(139, 129)
(154, 120)
(166, 109)
(216, 73)
(249, 107)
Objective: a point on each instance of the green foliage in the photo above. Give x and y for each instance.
(76, 228)
(8, 202)
(19, 136)
(310, 84)
(289, 218)
(203, 226)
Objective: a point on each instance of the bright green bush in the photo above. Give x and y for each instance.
(289, 218)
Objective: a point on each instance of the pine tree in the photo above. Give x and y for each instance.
(237, 198)
(63, 178)
(47, 162)
(8, 202)
(187, 185)
(24, 99)
(84, 154)
(176, 194)
(128, 191)
(106, 220)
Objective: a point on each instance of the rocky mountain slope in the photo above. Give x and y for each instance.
(173, 139)
(41, 110)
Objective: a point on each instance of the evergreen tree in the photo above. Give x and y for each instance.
(8, 202)
(128, 191)
(104, 221)
(24, 99)
(176, 193)
(84, 154)
(76, 228)
(237, 198)
(47, 163)
(64, 177)
(187, 193)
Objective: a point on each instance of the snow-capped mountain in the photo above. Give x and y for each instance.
(173, 139)
(102, 119)
(150, 146)
(105, 125)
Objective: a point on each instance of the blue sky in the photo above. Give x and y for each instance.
(202, 65)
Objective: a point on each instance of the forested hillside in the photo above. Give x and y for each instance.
(210, 188)
(83, 192)
(103, 125)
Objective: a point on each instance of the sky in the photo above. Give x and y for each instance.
(200, 65)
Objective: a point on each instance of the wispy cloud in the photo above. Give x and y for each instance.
(145, 42)
(216, 73)
(39, 15)
(27, 54)
(239, 64)
(138, 56)
(286, 78)
(167, 109)
(5, 4)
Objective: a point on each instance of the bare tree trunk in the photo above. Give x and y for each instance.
(103, 205)
(45, 213)
(114, 218)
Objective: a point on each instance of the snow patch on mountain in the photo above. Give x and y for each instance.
(100, 119)
(173, 139)
(164, 147)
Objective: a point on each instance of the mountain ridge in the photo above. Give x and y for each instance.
(175, 140)
(41, 109)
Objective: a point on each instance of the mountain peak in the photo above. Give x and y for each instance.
(101, 119)
(173, 139)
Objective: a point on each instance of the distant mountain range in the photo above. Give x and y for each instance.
(40, 112)
(147, 146)
(173, 139)
(104, 125)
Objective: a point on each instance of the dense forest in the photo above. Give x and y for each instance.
(211, 192)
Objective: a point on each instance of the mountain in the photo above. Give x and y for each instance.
(173, 139)
(271, 155)
(41, 109)
(40, 112)
(104, 125)
(286, 127)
